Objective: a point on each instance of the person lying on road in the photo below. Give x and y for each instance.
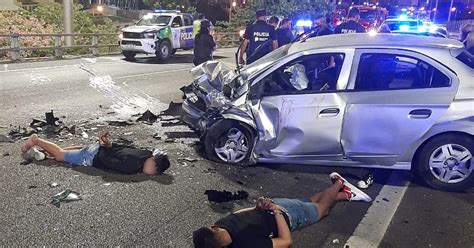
(105, 155)
(270, 222)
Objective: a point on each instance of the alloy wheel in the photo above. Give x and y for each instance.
(451, 163)
(235, 146)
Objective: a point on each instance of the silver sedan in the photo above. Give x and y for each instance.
(378, 101)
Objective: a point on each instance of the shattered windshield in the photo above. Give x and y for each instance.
(266, 60)
(152, 20)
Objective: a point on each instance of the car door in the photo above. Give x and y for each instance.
(187, 38)
(396, 98)
(302, 116)
(176, 26)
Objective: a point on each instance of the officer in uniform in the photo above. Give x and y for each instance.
(259, 39)
(352, 25)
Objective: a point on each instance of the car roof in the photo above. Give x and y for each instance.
(400, 20)
(380, 40)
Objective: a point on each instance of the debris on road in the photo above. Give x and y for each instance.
(33, 153)
(5, 139)
(85, 135)
(65, 196)
(119, 123)
(156, 136)
(335, 241)
(32, 187)
(170, 140)
(148, 117)
(20, 132)
(106, 184)
(225, 196)
(53, 185)
(6, 154)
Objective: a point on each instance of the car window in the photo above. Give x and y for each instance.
(310, 73)
(379, 71)
(177, 22)
(188, 20)
(466, 58)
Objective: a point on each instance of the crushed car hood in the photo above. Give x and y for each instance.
(211, 83)
(142, 29)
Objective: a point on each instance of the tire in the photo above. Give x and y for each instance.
(446, 163)
(234, 139)
(129, 55)
(163, 50)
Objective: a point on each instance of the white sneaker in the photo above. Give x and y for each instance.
(353, 193)
(33, 153)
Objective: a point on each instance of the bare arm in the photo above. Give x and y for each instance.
(72, 148)
(284, 235)
(274, 44)
(243, 210)
(243, 48)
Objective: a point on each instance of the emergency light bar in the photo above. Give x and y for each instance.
(166, 11)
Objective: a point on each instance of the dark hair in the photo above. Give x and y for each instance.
(285, 21)
(205, 24)
(261, 12)
(201, 16)
(162, 163)
(204, 238)
(273, 19)
(353, 12)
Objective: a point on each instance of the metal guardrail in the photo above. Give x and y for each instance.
(15, 49)
(223, 40)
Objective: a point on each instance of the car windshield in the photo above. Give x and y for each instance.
(152, 20)
(266, 61)
(395, 25)
(368, 15)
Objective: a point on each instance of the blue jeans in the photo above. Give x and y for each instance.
(301, 212)
(83, 157)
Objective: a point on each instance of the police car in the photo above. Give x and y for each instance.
(160, 33)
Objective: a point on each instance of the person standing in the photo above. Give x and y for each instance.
(284, 34)
(204, 43)
(322, 26)
(467, 37)
(274, 21)
(352, 25)
(197, 24)
(259, 39)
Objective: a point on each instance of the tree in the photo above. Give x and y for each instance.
(296, 9)
(183, 5)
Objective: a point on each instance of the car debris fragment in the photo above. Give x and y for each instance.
(225, 196)
(65, 196)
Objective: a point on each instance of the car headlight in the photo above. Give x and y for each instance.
(120, 35)
(149, 35)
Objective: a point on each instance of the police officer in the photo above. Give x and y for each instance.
(284, 34)
(352, 25)
(259, 39)
(197, 24)
(204, 43)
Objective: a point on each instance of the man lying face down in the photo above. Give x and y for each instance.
(270, 223)
(104, 155)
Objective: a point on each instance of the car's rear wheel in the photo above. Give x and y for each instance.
(129, 55)
(229, 142)
(446, 162)
(164, 50)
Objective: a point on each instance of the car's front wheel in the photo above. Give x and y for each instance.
(129, 55)
(163, 50)
(446, 163)
(229, 142)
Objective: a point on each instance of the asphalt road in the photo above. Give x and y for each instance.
(163, 211)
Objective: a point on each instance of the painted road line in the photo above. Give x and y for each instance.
(370, 231)
(153, 73)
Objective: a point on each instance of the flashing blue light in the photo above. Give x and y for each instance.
(304, 23)
(404, 28)
(402, 17)
(433, 29)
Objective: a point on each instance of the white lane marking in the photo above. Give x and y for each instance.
(90, 60)
(5, 67)
(153, 73)
(371, 230)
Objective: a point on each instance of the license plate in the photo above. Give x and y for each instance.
(129, 46)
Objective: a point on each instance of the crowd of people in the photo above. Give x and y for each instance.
(263, 36)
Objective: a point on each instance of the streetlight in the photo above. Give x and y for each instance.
(100, 8)
(232, 5)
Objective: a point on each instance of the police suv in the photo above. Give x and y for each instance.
(160, 33)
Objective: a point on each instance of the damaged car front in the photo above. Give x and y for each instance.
(215, 90)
